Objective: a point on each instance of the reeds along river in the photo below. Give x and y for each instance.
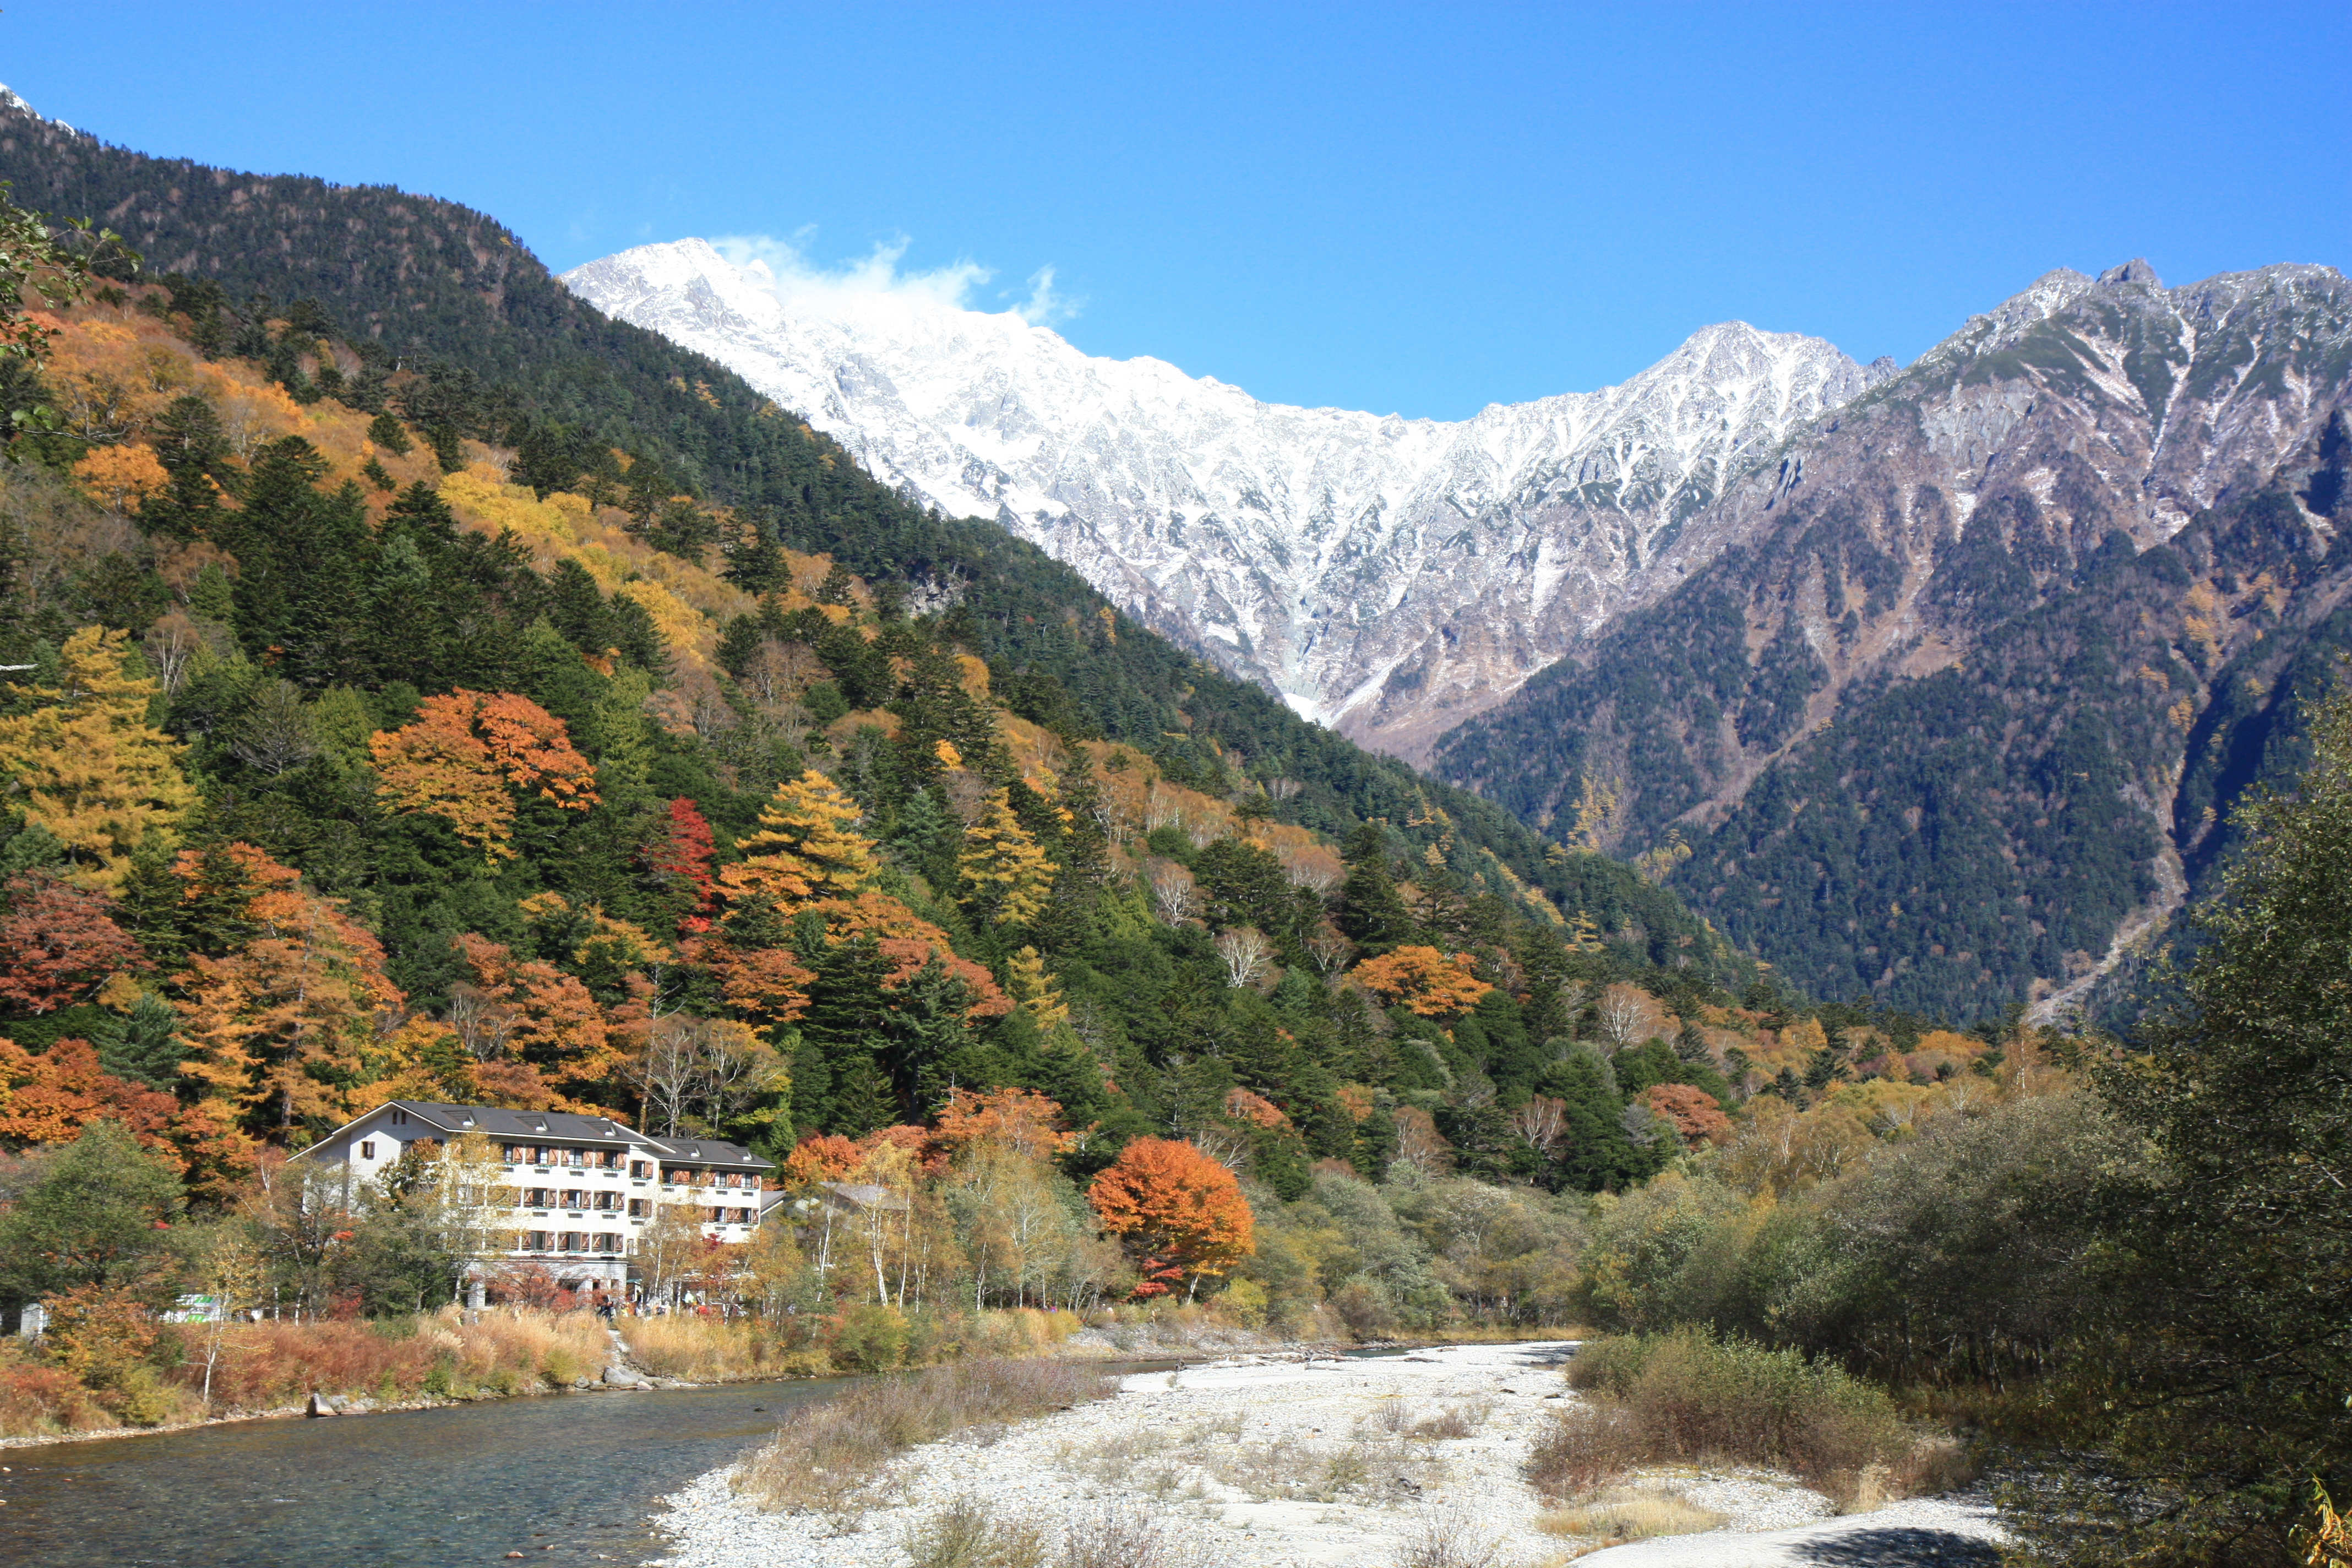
(564, 1479)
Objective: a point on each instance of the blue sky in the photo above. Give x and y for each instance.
(1419, 209)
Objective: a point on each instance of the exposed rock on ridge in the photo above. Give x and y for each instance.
(1386, 576)
(1924, 709)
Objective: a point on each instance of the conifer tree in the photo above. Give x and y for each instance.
(1370, 911)
(1004, 876)
(807, 835)
(87, 766)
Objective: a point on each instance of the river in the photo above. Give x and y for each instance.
(564, 1478)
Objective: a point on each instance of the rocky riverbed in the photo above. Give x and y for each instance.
(1288, 1461)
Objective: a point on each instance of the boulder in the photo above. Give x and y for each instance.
(619, 1375)
(319, 1406)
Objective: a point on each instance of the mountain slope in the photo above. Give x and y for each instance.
(1386, 575)
(512, 355)
(1926, 708)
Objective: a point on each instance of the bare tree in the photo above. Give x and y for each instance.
(1312, 867)
(1161, 809)
(1542, 1121)
(1247, 955)
(172, 644)
(668, 1074)
(1329, 950)
(1628, 1016)
(1172, 891)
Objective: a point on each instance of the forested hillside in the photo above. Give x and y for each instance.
(1956, 701)
(484, 344)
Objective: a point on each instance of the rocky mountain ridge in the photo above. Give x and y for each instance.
(1892, 729)
(1388, 577)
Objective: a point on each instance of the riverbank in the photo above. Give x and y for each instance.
(1283, 1462)
(269, 1372)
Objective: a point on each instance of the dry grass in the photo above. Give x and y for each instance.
(966, 1534)
(1127, 1535)
(826, 1457)
(1686, 1397)
(1447, 1535)
(1629, 1515)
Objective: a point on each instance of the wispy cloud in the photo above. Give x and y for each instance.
(800, 280)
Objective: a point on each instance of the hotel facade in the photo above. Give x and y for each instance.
(571, 1193)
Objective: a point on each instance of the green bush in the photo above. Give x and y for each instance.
(871, 1338)
(1687, 1395)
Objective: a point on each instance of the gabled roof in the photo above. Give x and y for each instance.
(563, 1126)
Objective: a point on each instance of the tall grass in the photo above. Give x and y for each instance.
(825, 1456)
(1687, 1396)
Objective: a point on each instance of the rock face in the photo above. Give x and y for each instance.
(1962, 684)
(1388, 577)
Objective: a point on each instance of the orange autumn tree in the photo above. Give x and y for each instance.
(1021, 1120)
(51, 1097)
(820, 1157)
(1424, 981)
(1694, 1111)
(539, 1038)
(122, 477)
(469, 755)
(1180, 1212)
(284, 1028)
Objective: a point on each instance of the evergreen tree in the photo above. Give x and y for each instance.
(1370, 912)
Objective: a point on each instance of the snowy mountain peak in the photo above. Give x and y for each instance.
(1386, 576)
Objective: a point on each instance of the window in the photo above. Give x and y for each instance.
(367, 1148)
(571, 1200)
(538, 1154)
(743, 1216)
(399, 1116)
(607, 1242)
(718, 1216)
(641, 1169)
(640, 1207)
(516, 1155)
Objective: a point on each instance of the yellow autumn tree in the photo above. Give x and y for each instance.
(122, 477)
(808, 846)
(1004, 876)
(85, 763)
(1035, 988)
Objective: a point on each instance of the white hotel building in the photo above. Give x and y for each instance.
(584, 1188)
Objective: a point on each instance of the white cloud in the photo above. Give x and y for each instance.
(810, 285)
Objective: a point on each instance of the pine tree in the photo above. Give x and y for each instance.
(1004, 876)
(86, 765)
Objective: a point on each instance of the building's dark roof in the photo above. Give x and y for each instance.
(565, 1127)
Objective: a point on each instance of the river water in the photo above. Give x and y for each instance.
(566, 1479)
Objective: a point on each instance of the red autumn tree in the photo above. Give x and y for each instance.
(58, 943)
(1694, 1111)
(679, 857)
(1180, 1212)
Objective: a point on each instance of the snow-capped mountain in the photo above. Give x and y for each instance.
(1388, 577)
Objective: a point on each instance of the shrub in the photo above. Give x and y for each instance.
(1127, 1535)
(966, 1534)
(870, 1337)
(1686, 1395)
(1447, 1536)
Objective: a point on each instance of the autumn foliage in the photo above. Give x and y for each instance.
(468, 756)
(58, 943)
(1424, 981)
(50, 1098)
(1694, 1111)
(1180, 1212)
